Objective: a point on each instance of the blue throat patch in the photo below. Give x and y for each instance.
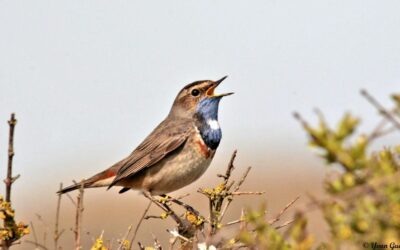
(207, 110)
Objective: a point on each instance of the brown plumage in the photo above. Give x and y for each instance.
(159, 153)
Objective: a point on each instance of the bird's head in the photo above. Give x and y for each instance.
(197, 97)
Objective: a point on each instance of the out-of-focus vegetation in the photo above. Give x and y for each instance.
(363, 207)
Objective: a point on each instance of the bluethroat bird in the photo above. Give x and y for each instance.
(176, 153)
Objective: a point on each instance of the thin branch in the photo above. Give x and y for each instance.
(285, 224)
(229, 168)
(37, 245)
(377, 130)
(57, 233)
(234, 222)
(5, 244)
(382, 110)
(143, 217)
(172, 243)
(230, 199)
(78, 217)
(278, 217)
(141, 247)
(180, 197)
(181, 203)
(177, 235)
(244, 176)
(140, 222)
(243, 223)
(157, 244)
(303, 122)
(46, 228)
(9, 180)
(71, 199)
(147, 217)
(164, 207)
(34, 234)
(121, 244)
(248, 193)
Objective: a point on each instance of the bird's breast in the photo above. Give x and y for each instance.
(210, 133)
(202, 147)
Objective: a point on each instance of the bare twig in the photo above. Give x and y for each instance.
(217, 201)
(37, 245)
(248, 193)
(229, 168)
(157, 244)
(180, 197)
(147, 217)
(177, 235)
(230, 199)
(285, 224)
(10, 179)
(57, 233)
(121, 244)
(303, 122)
(234, 222)
(243, 223)
(278, 217)
(140, 222)
(71, 199)
(46, 229)
(244, 176)
(377, 130)
(34, 235)
(185, 227)
(181, 203)
(321, 117)
(172, 243)
(382, 110)
(164, 207)
(141, 247)
(78, 217)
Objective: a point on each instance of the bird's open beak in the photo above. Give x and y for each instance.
(213, 86)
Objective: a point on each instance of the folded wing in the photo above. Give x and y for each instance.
(169, 136)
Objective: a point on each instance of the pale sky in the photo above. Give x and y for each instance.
(89, 80)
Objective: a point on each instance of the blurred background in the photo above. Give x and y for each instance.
(89, 80)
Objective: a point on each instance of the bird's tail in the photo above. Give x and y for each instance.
(102, 179)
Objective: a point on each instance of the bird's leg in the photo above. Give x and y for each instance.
(181, 203)
(163, 206)
(185, 227)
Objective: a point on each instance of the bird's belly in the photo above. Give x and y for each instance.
(175, 171)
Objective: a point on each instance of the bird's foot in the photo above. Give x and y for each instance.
(181, 203)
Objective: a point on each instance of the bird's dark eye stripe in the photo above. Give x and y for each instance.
(195, 92)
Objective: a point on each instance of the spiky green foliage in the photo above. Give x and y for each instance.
(364, 203)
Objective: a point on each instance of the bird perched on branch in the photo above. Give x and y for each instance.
(176, 153)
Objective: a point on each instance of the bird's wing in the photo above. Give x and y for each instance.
(166, 138)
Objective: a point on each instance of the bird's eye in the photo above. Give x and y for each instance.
(195, 92)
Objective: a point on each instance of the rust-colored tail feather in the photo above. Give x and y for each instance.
(91, 182)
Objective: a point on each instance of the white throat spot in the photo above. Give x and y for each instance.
(213, 124)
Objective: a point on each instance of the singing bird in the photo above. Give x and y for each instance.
(176, 153)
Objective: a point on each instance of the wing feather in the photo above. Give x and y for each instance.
(165, 139)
